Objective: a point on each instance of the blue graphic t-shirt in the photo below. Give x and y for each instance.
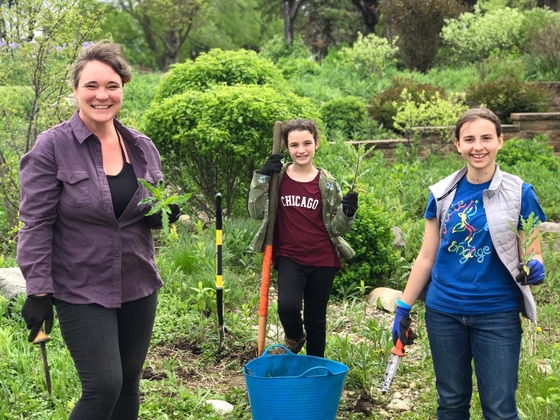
(468, 277)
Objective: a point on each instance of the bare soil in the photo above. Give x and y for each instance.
(224, 371)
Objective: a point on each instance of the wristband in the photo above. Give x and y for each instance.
(403, 304)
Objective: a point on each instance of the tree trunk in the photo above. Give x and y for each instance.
(291, 8)
(369, 13)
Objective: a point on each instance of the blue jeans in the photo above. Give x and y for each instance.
(493, 341)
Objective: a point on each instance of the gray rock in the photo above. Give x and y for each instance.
(12, 282)
(384, 298)
(220, 407)
(550, 227)
(399, 241)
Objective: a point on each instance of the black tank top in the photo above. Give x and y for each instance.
(123, 185)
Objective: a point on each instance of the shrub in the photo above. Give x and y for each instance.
(383, 107)
(219, 67)
(138, 94)
(344, 114)
(537, 150)
(276, 49)
(475, 36)
(214, 140)
(509, 95)
(427, 111)
(544, 52)
(294, 67)
(369, 55)
(534, 161)
(371, 237)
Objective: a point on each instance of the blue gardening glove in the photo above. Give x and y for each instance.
(273, 165)
(531, 273)
(36, 311)
(401, 325)
(154, 220)
(350, 203)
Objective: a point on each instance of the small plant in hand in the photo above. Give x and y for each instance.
(161, 202)
(529, 225)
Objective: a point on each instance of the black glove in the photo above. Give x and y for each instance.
(350, 203)
(531, 273)
(36, 311)
(273, 165)
(403, 333)
(175, 213)
(154, 220)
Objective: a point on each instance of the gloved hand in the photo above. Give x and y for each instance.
(273, 165)
(401, 325)
(36, 311)
(154, 220)
(350, 203)
(531, 273)
(175, 213)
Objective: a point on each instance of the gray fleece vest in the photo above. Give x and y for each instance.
(502, 203)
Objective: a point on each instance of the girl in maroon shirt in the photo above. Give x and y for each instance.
(305, 253)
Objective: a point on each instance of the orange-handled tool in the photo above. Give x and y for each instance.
(268, 241)
(397, 354)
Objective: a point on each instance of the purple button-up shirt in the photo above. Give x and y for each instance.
(71, 244)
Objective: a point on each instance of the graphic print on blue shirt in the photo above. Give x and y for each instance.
(468, 277)
(466, 220)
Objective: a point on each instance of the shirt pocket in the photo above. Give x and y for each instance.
(75, 190)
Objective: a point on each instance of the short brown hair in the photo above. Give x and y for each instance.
(299, 124)
(474, 114)
(106, 52)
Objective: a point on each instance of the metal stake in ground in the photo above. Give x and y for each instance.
(41, 339)
(267, 257)
(219, 278)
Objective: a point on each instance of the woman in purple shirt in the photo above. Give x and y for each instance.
(86, 243)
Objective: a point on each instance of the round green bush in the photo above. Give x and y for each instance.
(383, 107)
(213, 140)
(343, 114)
(219, 67)
(508, 95)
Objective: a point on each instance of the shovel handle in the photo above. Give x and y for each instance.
(41, 337)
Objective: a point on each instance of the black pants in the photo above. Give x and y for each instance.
(109, 347)
(310, 288)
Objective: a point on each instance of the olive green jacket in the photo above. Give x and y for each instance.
(335, 221)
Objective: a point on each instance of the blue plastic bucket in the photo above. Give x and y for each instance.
(290, 386)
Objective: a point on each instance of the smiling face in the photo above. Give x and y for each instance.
(302, 146)
(479, 143)
(99, 93)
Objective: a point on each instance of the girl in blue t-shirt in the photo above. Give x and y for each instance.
(476, 274)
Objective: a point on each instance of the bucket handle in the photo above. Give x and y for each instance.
(312, 372)
(273, 346)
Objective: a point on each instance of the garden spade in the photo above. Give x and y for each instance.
(41, 339)
(267, 257)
